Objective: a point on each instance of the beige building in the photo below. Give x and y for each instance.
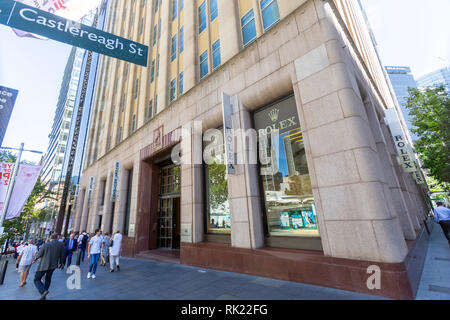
(339, 200)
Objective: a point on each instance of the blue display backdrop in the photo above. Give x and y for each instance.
(30, 19)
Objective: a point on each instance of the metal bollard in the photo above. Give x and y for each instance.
(3, 267)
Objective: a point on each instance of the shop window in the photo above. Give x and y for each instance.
(270, 13)
(218, 219)
(289, 201)
(248, 27)
(126, 219)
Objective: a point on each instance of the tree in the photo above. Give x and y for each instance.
(6, 156)
(430, 112)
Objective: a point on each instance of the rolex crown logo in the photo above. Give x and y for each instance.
(274, 114)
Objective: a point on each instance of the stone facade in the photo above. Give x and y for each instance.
(367, 207)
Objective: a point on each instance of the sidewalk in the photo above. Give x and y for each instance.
(149, 280)
(435, 281)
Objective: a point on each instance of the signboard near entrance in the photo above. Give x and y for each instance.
(115, 181)
(30, 19)
(227, 109)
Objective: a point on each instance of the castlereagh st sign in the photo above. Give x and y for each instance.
(30, 19)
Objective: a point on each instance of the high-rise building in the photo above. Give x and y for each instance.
(319, 201)
(441, 76)
(52, 171)
(402, 79)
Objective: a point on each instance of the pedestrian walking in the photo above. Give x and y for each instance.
(19, 249)
(105, 251)
(114, 251)
(25, 260)
(94, 250)
(442, 217)
(52, 257)
(39, 243)
(82, 243)
(71, 246)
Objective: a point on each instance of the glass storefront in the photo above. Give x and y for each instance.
(289, 201)
(217, 204)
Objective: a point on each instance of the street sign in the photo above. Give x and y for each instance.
(227, 110)
(27, 18)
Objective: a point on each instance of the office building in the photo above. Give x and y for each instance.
(441, 76)
(326, 198)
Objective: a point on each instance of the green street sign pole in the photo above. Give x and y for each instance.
(17, 15)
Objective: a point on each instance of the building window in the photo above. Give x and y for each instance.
(270, 13)
(174, 48)
(180, 84)
(248, 27)
(156, 105)
(181, 39)
(173, 90)
(152, 72)
(157, 66)
(160, 29)
(141, 26)
(174, 9)
(204, 64)
(155, 30)
(150, 109)
(213, 9)
(202, 17)
(216, 54)
(136, 89)
(289, 201)
(181, 5)
(133, 123)
(218, 219)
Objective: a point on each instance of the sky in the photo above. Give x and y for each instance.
(412, 33)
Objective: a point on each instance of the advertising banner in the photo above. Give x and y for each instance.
(6, 171)
(36, 21)
(115, 182)
(23, 185)
(8, 98)
(227, 109)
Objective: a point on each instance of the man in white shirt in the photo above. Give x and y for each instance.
(94, 249)
(114, 251)
(19, 251)
(25, 260)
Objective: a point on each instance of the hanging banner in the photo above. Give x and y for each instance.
(27, 18)
(115, 182)
(404, 149)
(227, 110)
(23, 185)
(6, 171)
(90, 190)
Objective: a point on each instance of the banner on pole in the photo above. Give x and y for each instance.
(23, 186)
(6, 171)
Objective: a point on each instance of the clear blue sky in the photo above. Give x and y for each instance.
(411, 33)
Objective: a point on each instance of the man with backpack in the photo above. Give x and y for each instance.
(83, 240)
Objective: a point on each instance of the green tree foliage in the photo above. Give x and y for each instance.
(430, 112)
(218, 185)
(6, 156)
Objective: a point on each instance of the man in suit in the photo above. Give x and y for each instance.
(71, 246)
(52, 256)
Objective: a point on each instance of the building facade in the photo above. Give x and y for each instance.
(441, 76)
(318, 201)
(401, 80)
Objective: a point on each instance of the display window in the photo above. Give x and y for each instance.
(218, 219)
(285, 180)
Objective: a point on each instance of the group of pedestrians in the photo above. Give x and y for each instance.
(58, 253)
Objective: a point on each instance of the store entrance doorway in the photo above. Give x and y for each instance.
(169, 208)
